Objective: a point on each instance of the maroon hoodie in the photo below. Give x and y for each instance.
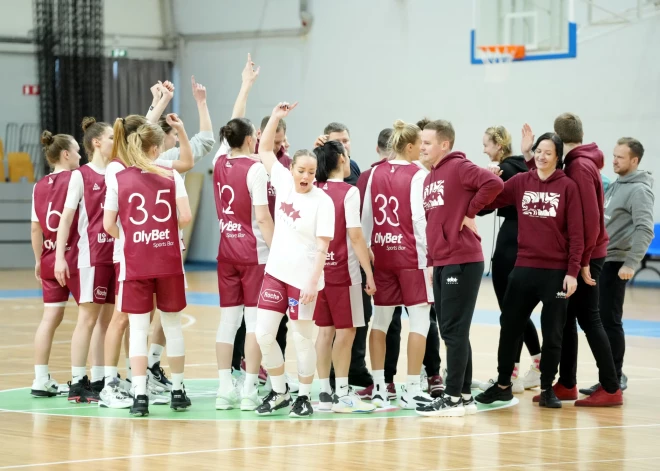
(582, 165)
(363, 179)
(456, 188)
(550, 227)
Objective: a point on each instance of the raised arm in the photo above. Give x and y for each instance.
(186, 160)
(249, 76)
(257, 181)
(527, 142)
(266, 153)
(162, 95)
(199, 94)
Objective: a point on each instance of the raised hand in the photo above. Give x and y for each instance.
(157, 90)
(527, 141)
(168, 89)
(321, 140)
(198, 90)
(174, 121)
(249, 74)
(283, 109)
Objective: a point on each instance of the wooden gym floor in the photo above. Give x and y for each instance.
(34, 434)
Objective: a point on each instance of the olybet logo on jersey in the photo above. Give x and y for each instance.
(231, 229)
(153, 236)
(330, 259)
(389, 241)
(540, 204)
(434, 194)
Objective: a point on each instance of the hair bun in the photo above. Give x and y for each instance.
(87, 122)
(47, 138)
(399, 124)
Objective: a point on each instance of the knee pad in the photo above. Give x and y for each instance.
(271, 355)
(420, 322)
(230, 322)
(171, 322)
(305, 351)
(137, 345)
(382, 318)
(250, 314)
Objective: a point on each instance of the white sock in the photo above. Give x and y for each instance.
(129, 373)
(342, 386)
(77, 373)
(226, 383)
(325, 386)
(140, 385)
(278, 383)
(110, 373)
(97, 373)
(250, 384)
(41, 373)
(177, 381)
(155, 351)
(516, 369)
(467, 397)
(379, 380)
(412, 384)
(455, 399)
(305, 390)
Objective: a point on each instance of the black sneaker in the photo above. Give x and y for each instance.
(549, 399)
(302, 407)
(97, 386)
(157, 376)
(82, 392)
(180, 400)
(274, 402)
(326, 400)
(624, 382)
(140, 407)
(494, 394)
(442, 406)
(591, 390)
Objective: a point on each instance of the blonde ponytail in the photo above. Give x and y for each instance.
(140, 143)
(403, 134)
(122, 129)
(500, 136)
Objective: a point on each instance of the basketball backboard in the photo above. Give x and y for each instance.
(546, 28)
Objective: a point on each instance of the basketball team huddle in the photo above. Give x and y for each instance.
(309, 241)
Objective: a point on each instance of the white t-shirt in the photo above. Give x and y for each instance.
(299, 219)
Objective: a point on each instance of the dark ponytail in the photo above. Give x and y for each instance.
(235, 132)
(559, 146)
(327, 157)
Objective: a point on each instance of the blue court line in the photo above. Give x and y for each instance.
(632, 327)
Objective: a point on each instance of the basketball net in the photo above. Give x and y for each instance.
(497, 63)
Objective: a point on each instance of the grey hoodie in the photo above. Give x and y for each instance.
(629, 217)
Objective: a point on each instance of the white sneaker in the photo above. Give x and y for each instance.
(470, 406)
(157, 395)
(486, 385)
(379, 396)
(113, 396)
(250, 401)
(424, 380)
(517, 386)
(227, 400)
(411, 401)
(48, 389)
(532, 378)
(351, 404)
(292, 381)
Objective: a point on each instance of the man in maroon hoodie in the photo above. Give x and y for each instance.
(582, 165)
(454, 192)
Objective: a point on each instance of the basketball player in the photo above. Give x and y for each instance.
(294, 271)
(152, 205)
(497, 146)
(455, 257)
(339, 305)
(629, 224)
(393, 222)
(246, 232)
(339, 132)
(48, 197)
(550, 246)
(583, 164)
(96, 277)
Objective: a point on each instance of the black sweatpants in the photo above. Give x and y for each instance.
(528, 287)
(455, 289)
(393, 346)
(612, 293)
(504, 259)
(239, 342)
(583, 306)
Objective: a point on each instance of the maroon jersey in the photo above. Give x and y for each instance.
(395, 242)
(94, 245)
(49, 197)
(147, 212)
(241, 242)
(342, 267)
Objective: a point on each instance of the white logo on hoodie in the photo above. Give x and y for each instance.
(540, 204)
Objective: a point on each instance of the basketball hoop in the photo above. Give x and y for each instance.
(497, 60)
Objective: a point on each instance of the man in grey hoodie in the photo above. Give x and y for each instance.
(629, 224)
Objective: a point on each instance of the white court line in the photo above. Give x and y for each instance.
(27, 411)
(304, 445)
(546, 463)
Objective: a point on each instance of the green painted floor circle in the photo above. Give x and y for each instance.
(202, 393)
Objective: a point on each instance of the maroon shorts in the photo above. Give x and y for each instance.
(402, 287)
(275, 295)
(340, 306)
(56, 295)
(137, 296)
(116, 267)
(97, 284)
(239, 284)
